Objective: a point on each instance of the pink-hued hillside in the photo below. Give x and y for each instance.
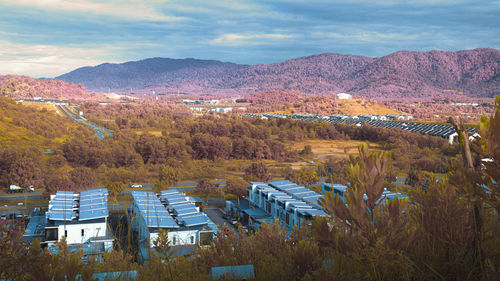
(23, 87)
(473, 73)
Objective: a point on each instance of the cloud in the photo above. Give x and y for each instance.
(233, 39)
(366, 36)
(128, 9)
(48, 60)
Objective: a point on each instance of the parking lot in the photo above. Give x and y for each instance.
(217, 216)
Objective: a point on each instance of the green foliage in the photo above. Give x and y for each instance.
(305, 176)
(236, 186)
(115, 188)
(168, 176)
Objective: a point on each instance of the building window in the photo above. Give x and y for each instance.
(173, 242)
(51, 234)
(65, 233)
(192, 239)
(83, 232)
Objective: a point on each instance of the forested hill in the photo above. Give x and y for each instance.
(474, 73)
(153, 72)
(23, 87)
(22, 125)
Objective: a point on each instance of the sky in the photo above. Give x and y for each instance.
(47, 38)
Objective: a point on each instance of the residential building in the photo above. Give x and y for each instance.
(174, 212)
(288, 203)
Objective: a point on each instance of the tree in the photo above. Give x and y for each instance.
(167, 176)
(415, 178)
(305, 176)
(206, 186)
(257, 171)
(236, 186)
(115, 188)
(25, 172)
(82, 177)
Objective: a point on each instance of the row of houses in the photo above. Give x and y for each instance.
(279, 200)
(446, 131)
(188, 228)
(82, 220)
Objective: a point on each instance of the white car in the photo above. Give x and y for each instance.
(136, 186)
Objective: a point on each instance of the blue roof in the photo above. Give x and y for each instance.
(187, 205)
(232, 272)
(118, 275)
(92, 205)
(311, 212)
(169, 191)
(184, 212)
(177, 200)
(61, 215)
(93, 214)
(161, 222)
(195, 220)
(152, 210)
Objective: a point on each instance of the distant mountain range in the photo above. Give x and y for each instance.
(474, 73)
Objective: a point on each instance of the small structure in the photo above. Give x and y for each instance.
(344, 96)
(238, 272)
(340, 189)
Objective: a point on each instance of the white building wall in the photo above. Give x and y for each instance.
(74, 232)
(179, 237)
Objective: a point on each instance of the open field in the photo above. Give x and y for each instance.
(151, 132)
(356, 107)
(322, 149)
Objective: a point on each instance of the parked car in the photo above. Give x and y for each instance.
(136, 186)
(234, 221)
(3, 217)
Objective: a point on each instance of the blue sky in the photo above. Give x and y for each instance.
(46, 38)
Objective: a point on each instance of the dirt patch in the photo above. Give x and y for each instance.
(323, 149)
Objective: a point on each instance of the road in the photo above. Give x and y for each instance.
(99, 131)
(20, 196)
(183, 186)
(215, 214)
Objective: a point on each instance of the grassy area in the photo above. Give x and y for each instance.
(322, 149)
(40, 106)
(356, 107)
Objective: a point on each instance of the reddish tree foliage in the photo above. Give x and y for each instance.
(257, 171)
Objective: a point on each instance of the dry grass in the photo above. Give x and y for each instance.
(356, 107)
(40, 106)
(153, 132)
(324, 149)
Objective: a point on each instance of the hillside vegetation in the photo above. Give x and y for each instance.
(21, 126)
(23, 87)
(403, 74)
(295, 102)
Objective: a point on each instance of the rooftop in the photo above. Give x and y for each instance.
(67, 206)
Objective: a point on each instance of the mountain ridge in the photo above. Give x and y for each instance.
(475, 72)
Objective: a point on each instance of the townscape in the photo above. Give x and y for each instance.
(367, 162)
